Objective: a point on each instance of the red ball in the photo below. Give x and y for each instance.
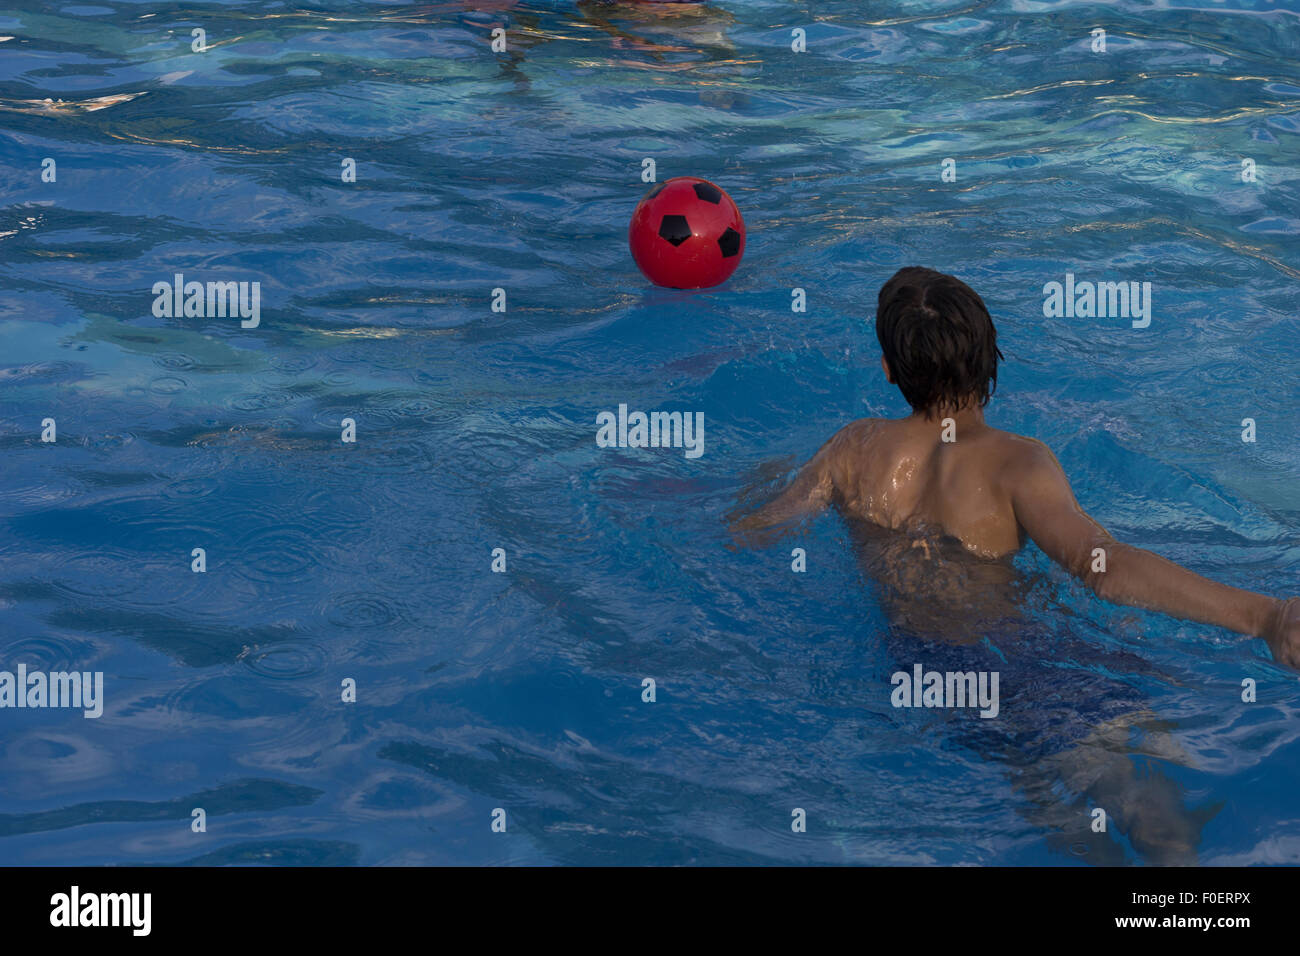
(686, 233)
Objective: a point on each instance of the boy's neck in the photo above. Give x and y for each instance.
(966, 416)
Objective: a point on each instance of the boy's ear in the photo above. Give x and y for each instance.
(884, 366)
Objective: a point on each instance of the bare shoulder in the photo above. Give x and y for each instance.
(1027, 461)
(1024, 450)
(847, 448)
(860, 429)
(855, 438)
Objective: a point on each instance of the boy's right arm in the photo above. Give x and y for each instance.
(813, 488)
(1047, 511)
(809, 493)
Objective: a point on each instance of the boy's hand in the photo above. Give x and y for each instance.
(1283, 636)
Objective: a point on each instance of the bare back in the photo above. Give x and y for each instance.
(955, 477)
(902, 474)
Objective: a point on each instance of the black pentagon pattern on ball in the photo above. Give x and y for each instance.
(729, 243)
(708, 192)
(655, 191)
(675, 229)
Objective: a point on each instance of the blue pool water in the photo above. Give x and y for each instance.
(371, 561)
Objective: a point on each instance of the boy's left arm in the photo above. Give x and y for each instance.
(1046, 508)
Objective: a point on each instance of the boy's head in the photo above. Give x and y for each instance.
(938, 340)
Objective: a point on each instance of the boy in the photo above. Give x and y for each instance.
(943, 469)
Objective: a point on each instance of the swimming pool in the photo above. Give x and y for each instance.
(371, 561)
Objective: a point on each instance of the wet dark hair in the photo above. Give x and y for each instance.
(938, 338)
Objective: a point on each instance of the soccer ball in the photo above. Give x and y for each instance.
(686, 233)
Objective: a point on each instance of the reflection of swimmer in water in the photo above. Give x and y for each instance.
(943, 470)
(937, 503)
(672, 36)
